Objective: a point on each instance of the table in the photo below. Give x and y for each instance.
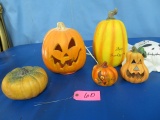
(122, 101)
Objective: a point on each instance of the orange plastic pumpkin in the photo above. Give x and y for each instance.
(104, 75)
(63, 50)
(134, 70)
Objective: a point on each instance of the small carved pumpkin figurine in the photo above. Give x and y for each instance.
(104, 75)
(134, 70)
(63, 50)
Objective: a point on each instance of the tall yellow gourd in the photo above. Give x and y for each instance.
(110, 41)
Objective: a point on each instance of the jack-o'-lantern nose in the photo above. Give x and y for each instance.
(136, 68)
(65, 55)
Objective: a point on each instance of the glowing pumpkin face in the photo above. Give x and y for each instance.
(63, 50)
(134, 70)
(65, 55)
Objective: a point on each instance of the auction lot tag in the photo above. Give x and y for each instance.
(87, 95)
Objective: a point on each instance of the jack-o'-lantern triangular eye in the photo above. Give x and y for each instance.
(58, 47)
(140, 62)
(133, 62)
(71, 43)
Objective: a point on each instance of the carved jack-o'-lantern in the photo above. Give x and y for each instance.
(134, 70)
(104, 75)
(63, 50)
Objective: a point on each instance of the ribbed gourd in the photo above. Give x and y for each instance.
(24, 83)
(110, 42)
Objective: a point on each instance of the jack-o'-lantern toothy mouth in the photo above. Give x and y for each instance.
(133, 75)
(68, 62)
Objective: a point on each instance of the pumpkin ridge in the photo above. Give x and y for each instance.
(10, 92)
(31, 88)
(39, 70)
(113, 72)
(37, 81)
(45, 49)
(112, 42)
(100, 50)
(94, 46)
(49, 36)
(8, 88)
(22, 89)
(94, 42)
(123, 44)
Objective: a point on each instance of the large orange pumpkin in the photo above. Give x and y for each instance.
(110, 41)
(63, 50)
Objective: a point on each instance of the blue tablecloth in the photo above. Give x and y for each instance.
(122, 101)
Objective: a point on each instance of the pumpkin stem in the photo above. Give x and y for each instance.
(134, 49)
(142, 51)
(139, 50)
(61, 26)
(112, 13)
(104, 64)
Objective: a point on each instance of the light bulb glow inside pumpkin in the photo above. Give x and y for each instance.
(135, 70)
(66, 58)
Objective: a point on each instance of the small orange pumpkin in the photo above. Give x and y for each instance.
(104, 75)
(134, 70)
(63, 50)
